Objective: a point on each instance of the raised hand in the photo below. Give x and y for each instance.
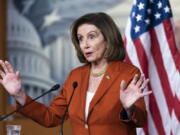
(131, 93)
(10, 80)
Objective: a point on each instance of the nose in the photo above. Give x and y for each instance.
(85, 44)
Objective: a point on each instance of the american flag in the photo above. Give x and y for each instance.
(150, 45)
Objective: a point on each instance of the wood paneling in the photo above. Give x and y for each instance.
(2, 56)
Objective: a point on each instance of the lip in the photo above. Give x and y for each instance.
(88, 54)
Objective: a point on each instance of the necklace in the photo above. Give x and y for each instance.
(97, 74)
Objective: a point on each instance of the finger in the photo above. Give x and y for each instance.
(146, 93)
(18, 74)
(1, 81)
(9, 67)
(3, 66)
(2, 74)
(135, 78)
(144, 85)
(123, 85)
(140, 81)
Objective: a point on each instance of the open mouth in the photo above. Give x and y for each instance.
(88, 54)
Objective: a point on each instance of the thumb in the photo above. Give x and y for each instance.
(123, 85)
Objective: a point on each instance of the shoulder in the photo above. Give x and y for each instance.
(124, 67)
(78, 70)
(75, 75)
(126, 71)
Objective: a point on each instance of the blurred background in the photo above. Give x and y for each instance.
(35, 39)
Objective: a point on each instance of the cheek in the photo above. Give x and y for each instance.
(101, 47)
(81, 47)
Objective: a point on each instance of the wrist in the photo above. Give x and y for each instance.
(130, 110)
(18, 94)
(20, 97)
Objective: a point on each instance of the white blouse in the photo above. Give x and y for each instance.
(89, 96)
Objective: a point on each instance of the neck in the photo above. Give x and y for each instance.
(95, 66)
(98, 69)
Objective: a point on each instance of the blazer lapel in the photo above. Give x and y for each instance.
(84, 85)
(108, 79)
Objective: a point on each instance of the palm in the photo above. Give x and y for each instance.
(130, 94)
(10, 79)
(11, 83)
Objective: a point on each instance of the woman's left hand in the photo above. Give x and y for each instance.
(131, 93)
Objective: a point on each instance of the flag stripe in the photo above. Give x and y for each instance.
(167, 58)
(159, 96)
(153, 107)
(171, 41)
(150, 45)
(141, 56)
(151, 126)
(127, 57)
(156, 115)
(175, 124)
(161, 71)
(169, 65)
(130, 47)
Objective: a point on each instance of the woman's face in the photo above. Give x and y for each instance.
(92, 42)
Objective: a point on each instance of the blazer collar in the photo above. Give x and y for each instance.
(110, 75)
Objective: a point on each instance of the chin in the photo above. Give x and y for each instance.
(91, 60)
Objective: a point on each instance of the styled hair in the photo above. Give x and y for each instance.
(115, 48)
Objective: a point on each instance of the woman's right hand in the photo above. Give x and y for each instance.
(10, 79)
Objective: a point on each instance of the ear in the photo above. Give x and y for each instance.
(106, 50)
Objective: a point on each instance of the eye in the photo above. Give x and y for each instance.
(91, 36)
(80, 38)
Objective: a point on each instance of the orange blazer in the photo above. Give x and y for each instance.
(105, 107)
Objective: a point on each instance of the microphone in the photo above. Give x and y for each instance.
(75, 84)
(55, 87)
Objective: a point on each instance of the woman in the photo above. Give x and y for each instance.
(103, 103)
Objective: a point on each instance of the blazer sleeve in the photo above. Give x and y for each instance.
(139, 115)
(48, 116)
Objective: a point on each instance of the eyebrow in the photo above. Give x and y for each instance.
(89, 32)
